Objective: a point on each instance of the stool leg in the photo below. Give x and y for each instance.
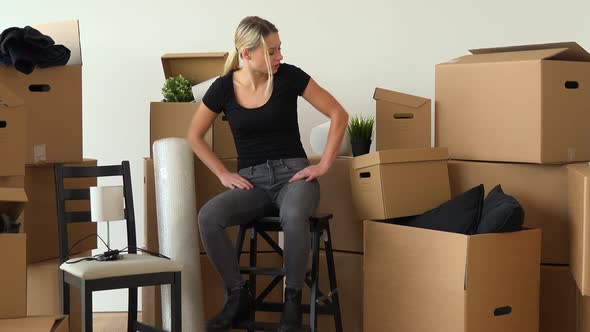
(240, 241)
(332, 277)
(313, 315)
(252, 276)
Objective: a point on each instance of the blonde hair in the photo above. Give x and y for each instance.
(250, 35)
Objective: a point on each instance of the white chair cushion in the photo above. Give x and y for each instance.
(127, 265)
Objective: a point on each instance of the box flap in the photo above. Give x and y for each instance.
(567, 51)
(506, 56)
(578, 214)
(196, 67)
(399, 156)
(9, 98)
(502, 281)
(399, 98)
(12, 201)
(66, 33)
(33, 324)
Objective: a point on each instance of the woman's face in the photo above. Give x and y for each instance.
(256, 58)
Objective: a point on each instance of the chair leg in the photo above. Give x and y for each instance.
(65, 296)
(176, 303)
(132, 309)
(332, 277)
(86, 303)
(313, 315)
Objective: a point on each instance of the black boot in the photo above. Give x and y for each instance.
(236, 309)
(291, 317)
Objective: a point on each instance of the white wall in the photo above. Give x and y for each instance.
(348, 47)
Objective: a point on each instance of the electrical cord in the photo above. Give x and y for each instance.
(110, 254)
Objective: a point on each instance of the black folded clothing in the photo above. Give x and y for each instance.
(27, 47)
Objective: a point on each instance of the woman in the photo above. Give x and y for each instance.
(274, 176)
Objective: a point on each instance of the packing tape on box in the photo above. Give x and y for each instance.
(176, 209)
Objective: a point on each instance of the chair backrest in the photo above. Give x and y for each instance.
(62, 195)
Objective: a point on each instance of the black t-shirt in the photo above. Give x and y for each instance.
(270, 131)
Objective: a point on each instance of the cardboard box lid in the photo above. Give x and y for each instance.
(12, 201)
(9, 98)
(66, 33)
(35, 324)
(196, 67)
(399, 156)
(566, 51)
(399, 98)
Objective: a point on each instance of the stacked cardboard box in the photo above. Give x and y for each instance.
(516, 116)
(41, 125)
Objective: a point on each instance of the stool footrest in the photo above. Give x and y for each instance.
(259, 326)
(323, 309)
(264, 271)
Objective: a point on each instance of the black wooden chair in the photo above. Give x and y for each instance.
(131, 271)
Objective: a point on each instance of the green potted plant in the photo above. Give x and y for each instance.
(360, 130)
(177, 89)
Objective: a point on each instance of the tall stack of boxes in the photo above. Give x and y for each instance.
(517, 116)
(40, 125)
(426, 280)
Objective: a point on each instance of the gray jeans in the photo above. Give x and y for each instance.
(272, 192)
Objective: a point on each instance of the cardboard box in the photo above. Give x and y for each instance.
(349, 280)
(172, 120)
(579, 223)
(13, 130)
(35, 324)
(197, 68)
(540, 189)
(40, 221)
(582, 313)
(13, 278)
(557, 299)
(402, 120)
(53, 98)
(44, 292)
(399, 183)
(213, 291)
(515, 104)
(336, 198)
(424, 280)
(207, 186)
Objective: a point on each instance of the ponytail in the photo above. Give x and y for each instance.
(232, 61)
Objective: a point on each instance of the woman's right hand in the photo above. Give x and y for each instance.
(234, 180)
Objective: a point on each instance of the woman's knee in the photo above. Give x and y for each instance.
(211, 217)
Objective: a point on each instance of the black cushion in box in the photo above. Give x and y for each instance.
(459, 215)
(501, 213)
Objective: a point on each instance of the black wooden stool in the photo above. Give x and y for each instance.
(319, 226)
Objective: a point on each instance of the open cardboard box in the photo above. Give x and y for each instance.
(174, 119)
(515, 104)
(419, 280)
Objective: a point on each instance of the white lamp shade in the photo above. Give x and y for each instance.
(319, 137)
(106, 203)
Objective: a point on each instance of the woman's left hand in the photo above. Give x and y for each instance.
(309, 173)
